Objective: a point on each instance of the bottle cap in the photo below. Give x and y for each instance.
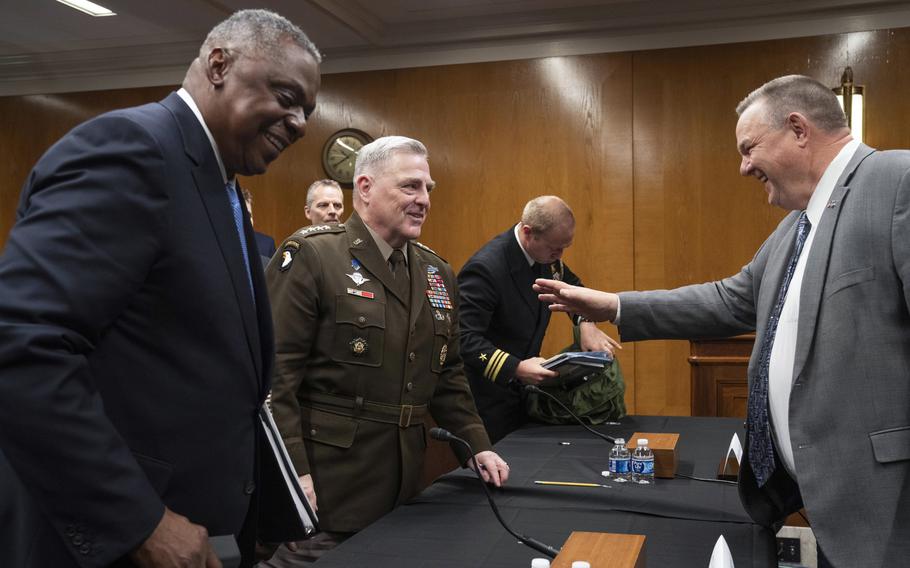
(581, 564)
(642, 442)
(540, 563)
(619, 441)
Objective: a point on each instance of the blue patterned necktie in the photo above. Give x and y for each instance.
(238, 224)
(761, 449)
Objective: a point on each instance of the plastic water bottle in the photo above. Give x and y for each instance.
(643, 463)
(620, 461)
(540, 563)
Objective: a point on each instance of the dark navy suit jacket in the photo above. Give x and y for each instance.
(265, 245)
(502, 323)
(133, 354)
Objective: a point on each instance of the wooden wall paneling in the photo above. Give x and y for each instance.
(29, 125)
(640, 144)
(695, 219)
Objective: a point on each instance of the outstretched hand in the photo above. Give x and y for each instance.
(591, 304)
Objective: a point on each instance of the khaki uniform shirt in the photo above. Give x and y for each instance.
(359, 365)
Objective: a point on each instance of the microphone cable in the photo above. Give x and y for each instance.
(535, 389)
(446, 436)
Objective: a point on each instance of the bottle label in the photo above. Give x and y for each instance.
(619, 465)
(643, 466)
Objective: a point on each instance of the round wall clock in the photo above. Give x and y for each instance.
(340, 153)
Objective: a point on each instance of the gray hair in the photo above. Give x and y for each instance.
(259, 32)
(373, 156)
(316, 185)
(545, 212)
(796, 93)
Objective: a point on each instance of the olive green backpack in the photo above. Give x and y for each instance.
(598, 399)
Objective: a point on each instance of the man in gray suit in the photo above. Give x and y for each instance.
(827, 295)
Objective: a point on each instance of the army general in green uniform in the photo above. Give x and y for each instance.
(366, 334)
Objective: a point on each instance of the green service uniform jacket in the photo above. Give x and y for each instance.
(358, 367)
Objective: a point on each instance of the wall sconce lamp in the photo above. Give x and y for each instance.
(850, 97)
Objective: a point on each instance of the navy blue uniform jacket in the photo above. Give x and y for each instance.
(502, 323)
(133, 357)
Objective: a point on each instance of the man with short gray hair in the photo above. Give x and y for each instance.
(324, 202)
(366, 333)
(827, 296)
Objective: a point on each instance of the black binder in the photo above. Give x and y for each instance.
(286, 514)
(574, 366)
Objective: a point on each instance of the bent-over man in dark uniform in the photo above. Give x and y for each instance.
(503, 323)
(366, 328)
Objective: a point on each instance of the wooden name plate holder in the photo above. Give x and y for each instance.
(664, 447)
(602, 550)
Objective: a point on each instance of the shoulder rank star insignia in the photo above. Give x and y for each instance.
(442, 355)
(357, 278)
(483, 357)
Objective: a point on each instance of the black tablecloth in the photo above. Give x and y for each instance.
(450, 523)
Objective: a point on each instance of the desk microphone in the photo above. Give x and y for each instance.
(535, 389)
(446, 436)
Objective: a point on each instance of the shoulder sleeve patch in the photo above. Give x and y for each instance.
(288, 251)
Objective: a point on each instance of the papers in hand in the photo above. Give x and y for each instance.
(286, 514)
(574, 366)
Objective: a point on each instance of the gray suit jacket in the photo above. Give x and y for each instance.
(850, 400)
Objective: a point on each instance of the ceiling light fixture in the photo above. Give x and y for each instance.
(89, 8)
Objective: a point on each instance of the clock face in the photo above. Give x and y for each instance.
(340, 154)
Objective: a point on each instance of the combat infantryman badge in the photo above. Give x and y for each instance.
(357, 278)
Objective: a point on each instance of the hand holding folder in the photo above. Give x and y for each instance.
(286, 515)
(573, 366)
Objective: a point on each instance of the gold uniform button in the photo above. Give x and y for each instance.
(361, 319)
(312, 431)
(409, 387)
(412, 356)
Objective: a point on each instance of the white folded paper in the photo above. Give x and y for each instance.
(721, 557)
(737, 448)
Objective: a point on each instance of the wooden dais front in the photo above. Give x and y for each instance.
(719, 375)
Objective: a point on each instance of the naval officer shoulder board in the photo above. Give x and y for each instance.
(292, 245)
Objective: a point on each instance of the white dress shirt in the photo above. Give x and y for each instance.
(783, 353)
(188, 99)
